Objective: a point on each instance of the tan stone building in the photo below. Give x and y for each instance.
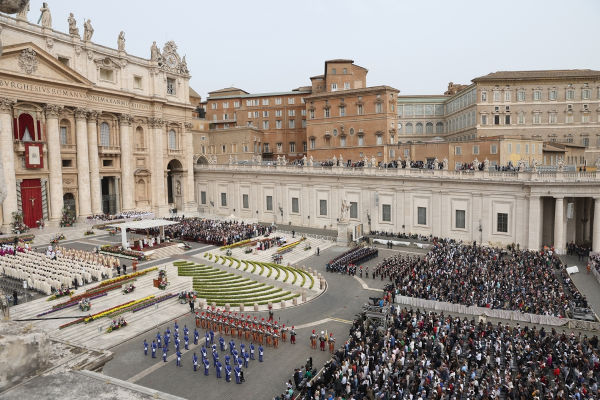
(347, 118)
(91, 128)
(553, 106)
(500, 151)
(280, 117)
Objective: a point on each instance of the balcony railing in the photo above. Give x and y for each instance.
(109, 150)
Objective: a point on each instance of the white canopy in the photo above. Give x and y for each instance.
(142, 224)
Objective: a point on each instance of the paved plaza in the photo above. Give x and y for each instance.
(135, 375)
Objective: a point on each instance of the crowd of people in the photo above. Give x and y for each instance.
(220, 233)
(472, 275)
(122, 215)
(402, 235)
(470, 167)
(581, 251)
(346, 262)
(433, 356)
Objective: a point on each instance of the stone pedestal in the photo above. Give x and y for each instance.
(342, 236)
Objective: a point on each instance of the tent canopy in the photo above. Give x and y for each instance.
(143, 224)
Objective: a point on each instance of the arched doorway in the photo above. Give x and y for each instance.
(175, 184)
(202, 161)
(69, 205)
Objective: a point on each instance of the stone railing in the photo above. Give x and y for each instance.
(505, 176)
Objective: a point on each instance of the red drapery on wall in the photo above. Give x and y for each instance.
(26, 121)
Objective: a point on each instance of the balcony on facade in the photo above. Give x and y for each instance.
(109, 150)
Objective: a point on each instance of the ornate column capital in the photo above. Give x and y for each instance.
(156, 122)
(6, 104)
(81, 113)
(53, 110)
(188, 126)
(93, 115)
(125, 119)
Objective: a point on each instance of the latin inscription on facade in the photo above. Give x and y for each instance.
(74, 94)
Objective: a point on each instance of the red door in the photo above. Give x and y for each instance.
(31, 199)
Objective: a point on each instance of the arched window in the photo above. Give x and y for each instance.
(172, 140)
(439, 127)
(429, 127)
(409, 128)
(139, 138)
(104, 134)
(419, 128)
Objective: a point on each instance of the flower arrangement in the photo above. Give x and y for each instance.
(248, 250)
(153, 302)
(126, 277)
(68, 304)
(68, 217)
(288, 247)
(11, 239)
(89, 232)
(17, 225)
(85, 305)
(116, 324)
(236, 244)
(131, 254)
(115, 309)
(128, 289)
(60, 293)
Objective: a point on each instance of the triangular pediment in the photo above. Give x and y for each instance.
(30, 61)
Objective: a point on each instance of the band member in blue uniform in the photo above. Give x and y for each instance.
(185, 330)
(222, 343)
(227, 358)
(215, 357)
(246, 359)
(178, 358)
(252, 351)
(218, 368)
(186, 341)
(195, 362)
(158, 338)
(176, 328)
(164, 354)
(212, 336)
(227, 373)
(261, 352)
(206, 367)
(207, 339)
(196, 336)
(154, 349)
(203, 351)
(231, 346)
(145, 347)
(238, 374)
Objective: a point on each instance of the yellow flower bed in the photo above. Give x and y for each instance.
(291, 245)
(236, 244)
(128, 276)
(115, 309)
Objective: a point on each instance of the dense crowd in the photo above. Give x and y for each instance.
(121, 215)
(581, 251)
(532, 282)
(346, 262)
(470, 167)
(432, 356)
(402, 235)
(215, 232)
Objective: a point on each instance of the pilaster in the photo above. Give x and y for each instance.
(7, 162)
(83, 164)
(54, 161)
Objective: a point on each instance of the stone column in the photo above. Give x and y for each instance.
(559, 225)
(189, 192)
(596, 231)
(533, 242)
(95, 190)
(159, 202)
(54, 161)
(127, 181)
(7, 163)
(83, 164)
